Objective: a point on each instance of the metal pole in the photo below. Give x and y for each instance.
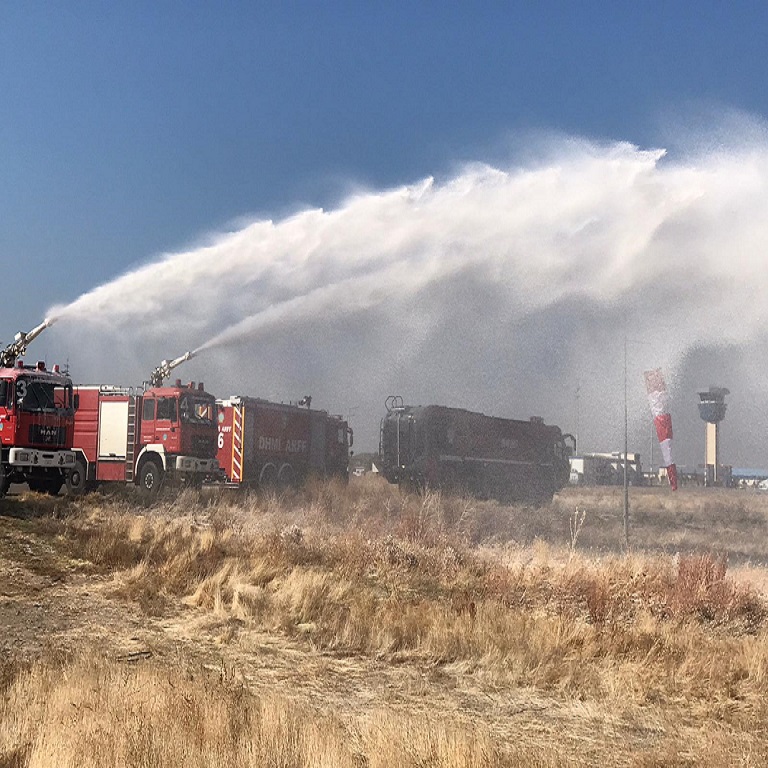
(578, 391)
(626, 449)
(653, 439)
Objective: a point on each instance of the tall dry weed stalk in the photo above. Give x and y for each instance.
(576, 522)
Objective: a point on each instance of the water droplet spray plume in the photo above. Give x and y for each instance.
(500, 289)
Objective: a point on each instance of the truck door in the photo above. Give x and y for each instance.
(113, 430)
(167, 424)
(112, 439)
(148, 420)
(6, 411)
(317, 441)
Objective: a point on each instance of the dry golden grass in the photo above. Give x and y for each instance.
(586, 655)
(91, 713)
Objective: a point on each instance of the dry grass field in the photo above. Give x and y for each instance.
(358, 626)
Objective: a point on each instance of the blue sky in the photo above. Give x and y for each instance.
(130, 129)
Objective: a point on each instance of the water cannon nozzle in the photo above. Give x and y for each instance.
(21, 341)
(163, 371)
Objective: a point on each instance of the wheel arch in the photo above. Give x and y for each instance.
(90, 466)
(151, 453)
(286, 476)
(268, 474)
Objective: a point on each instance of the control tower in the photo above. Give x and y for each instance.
(712, 410)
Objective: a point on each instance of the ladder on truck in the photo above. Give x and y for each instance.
(131, 440)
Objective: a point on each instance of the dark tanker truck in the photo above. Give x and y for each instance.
(434, 446)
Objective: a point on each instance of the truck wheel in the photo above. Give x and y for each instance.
(76, 479)
(5, 482)
(286, 478)
(194, 480)
(49, 485)
(52, 485)
(268, 476)
(150, 478)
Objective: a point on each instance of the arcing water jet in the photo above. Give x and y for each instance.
(496, 289)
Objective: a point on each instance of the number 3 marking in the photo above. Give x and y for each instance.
(21, 389)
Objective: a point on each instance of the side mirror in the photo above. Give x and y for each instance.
(76, 400)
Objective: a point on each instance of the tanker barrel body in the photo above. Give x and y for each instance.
(163, 371)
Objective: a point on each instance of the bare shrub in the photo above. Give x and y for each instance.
(419, 516)
(597, 597)
(116, 544)
(700, 589)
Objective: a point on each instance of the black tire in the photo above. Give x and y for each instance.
(286, 478)
(49, 485)
(150, 478)
(415, 483)
(53, 485)
(76, 479)
(5, 481)
(193, 480)
(268, 476)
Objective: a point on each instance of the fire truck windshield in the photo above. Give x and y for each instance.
(197, 410)
(37, 396)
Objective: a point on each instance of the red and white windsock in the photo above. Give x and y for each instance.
(659, 401)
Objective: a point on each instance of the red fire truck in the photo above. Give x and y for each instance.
(490, 457)
(262, 443)
(141, 436)
(36, 420)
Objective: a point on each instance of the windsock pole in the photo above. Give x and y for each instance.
(658, 398)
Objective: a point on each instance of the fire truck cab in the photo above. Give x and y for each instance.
(37, 411)
(141, 437)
